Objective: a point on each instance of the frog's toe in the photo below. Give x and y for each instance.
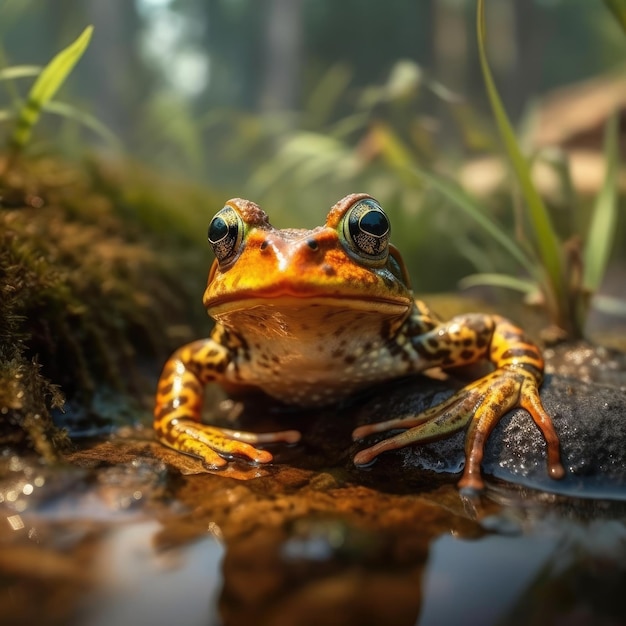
(529, 400)
(282, 436)
(498, 393)
(410, 422)
(436, 423)
(215, 445)
(193, 447)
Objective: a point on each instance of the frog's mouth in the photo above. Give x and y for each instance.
(302, 320)
(286, 302)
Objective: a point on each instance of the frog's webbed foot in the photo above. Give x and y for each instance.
(481, 405)
(215, 445)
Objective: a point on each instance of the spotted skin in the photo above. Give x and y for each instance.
(180, 398)
(514, 382)
(311, 317)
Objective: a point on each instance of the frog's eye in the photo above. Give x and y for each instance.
(366, 228)
(226, 234)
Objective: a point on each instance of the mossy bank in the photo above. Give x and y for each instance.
(100, 264)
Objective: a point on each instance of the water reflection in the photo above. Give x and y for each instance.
(138, 584)
(558, 572)
(296, 546)
(477, 582)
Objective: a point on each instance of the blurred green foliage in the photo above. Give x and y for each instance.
(566, 277)
(151, 62)
(618, 8)
(26, 111)
(192, 89)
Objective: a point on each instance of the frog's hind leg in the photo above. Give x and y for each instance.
(514, 382)
(481, 410)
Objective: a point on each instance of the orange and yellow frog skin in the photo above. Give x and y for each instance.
(312, 316)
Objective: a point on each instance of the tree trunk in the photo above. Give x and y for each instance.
(283, 32)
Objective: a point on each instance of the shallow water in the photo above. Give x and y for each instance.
(122, 536)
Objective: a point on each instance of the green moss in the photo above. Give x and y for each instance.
(98, 267)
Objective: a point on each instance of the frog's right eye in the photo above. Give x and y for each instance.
(226, 234)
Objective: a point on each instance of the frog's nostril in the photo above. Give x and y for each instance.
(264, 244)
(313, 245)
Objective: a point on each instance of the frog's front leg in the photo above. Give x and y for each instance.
(178, 409)
(514, 383)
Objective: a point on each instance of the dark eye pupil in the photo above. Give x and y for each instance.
(367, 227)
(218, 229)
(374, 223)
(225, 234)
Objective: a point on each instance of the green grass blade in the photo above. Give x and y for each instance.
(19, 71)
(9, 74)
(392, 148)
(618, 9)
(602, 228)
(498, 280)
(545, 240)
(45, 87)
(85, 119)
(326, 95)
(474, 209)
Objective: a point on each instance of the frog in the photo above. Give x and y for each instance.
(313, 317)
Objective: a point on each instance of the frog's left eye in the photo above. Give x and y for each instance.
(226, 234)
(366, 228)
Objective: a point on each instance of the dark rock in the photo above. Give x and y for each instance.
(590, 419)
(591, 422)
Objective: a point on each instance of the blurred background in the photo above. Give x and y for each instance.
(296, 103)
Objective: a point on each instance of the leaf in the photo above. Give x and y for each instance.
(545, 240)
(173, 118)
(316, 153)
(346, 126)
(326, 95)
(85, 119)
(618, 9)
(498, 280)
(393, 151)
(19, 71)
(602, 228)
(45, 87)
(404, 79)
(476, 211)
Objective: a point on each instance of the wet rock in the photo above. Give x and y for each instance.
(590, 419)
(591, 422)
(587, 362)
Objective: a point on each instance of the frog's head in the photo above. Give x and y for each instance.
(348, 263)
